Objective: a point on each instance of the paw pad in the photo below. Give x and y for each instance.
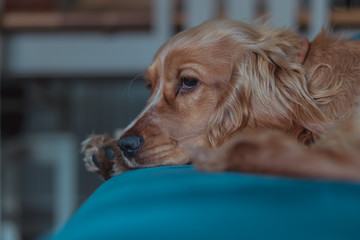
(109, 153)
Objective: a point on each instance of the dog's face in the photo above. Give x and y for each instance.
(207, 83)
(186, 80)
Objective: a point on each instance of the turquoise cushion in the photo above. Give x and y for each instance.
(180, 202)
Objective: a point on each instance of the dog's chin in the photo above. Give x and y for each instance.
(133, 164)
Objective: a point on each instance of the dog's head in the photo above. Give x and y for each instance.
(213, 80)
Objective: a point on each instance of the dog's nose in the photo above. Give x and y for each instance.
(130, 145)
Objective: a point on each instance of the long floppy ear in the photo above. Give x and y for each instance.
(232, 113)
(268, 89)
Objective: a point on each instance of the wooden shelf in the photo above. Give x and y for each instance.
(349, 17)
(13, 21)
(17, 21)
(338, 18)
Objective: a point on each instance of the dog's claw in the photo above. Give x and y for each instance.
(96, 162)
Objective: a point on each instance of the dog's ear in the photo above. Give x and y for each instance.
(268, 89)
(232, 112)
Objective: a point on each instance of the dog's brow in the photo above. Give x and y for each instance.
(149, 77)
(194, 67)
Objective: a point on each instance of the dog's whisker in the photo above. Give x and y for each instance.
(184, 137)
(131, 83)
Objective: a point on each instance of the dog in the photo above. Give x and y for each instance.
(231, 96)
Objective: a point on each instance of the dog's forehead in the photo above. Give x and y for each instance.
(183, 41)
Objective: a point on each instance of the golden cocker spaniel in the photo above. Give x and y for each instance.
(227, 95)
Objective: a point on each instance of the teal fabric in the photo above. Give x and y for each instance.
(180, 202)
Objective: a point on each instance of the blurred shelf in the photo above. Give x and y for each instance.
(346, 17)
(15, 21)
(133, 20)
(338, 18)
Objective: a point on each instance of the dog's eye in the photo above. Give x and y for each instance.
(188, 83)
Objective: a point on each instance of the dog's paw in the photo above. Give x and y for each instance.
(103, 156)
(244, 153)
(90, 148)
(206, 160)
(265, 152)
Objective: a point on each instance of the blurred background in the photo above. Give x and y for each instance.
(70, 68)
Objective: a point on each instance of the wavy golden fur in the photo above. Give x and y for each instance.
(257, 98)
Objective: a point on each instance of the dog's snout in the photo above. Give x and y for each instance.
(130, 145)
